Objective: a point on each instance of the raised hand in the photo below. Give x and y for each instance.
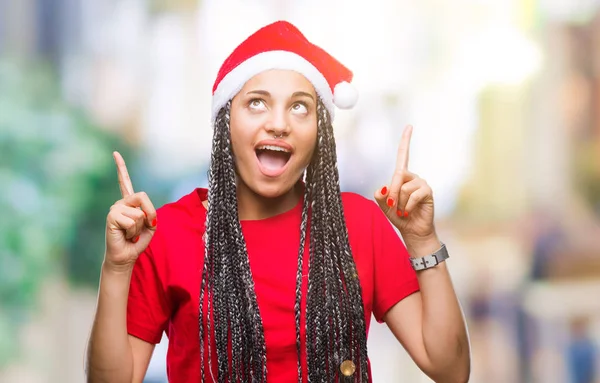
(408, 200)
(130, 224)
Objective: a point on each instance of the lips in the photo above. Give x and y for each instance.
(273, 157)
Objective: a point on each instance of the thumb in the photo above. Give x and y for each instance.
(144, 239)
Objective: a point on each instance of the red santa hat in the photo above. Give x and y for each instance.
(281, 45)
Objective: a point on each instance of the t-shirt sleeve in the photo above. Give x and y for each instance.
(394, 278)
(148, 307)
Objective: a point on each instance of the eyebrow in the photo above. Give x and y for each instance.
(303, 94)
(295, 94)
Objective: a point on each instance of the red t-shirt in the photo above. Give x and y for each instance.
(165, 284)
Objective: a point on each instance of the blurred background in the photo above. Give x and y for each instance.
(504, 96)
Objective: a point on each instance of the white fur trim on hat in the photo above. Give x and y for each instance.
(234, 81)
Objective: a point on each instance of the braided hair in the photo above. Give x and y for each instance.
(335, 321)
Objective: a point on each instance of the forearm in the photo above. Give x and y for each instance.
(444, 330)
(109, 356)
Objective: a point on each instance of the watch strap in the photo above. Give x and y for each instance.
(430, 260)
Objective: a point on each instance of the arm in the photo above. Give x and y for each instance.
(430, 324)
(113, 355)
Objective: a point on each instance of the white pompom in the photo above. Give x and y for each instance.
(345, 95)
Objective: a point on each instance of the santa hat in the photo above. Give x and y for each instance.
(281, 45)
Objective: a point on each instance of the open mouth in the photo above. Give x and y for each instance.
(272, 158)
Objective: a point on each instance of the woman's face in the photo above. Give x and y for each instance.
(273, 124)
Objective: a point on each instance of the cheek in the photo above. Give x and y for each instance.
(309, 143)
(235, 142)
(241, 138)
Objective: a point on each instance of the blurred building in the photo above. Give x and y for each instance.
(535, 185)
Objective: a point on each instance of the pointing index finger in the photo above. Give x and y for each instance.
(403, 149)
(124, 180)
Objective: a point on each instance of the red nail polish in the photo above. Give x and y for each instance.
(399, 213)
(406, 214)
(136, 239)
(154, 222)
(384, 190)
(390, 202)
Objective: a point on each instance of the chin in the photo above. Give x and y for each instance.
(272, 189)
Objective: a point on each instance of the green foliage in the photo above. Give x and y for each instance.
(58, 180)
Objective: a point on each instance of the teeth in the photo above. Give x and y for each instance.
(274, 148)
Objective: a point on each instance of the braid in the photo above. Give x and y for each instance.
(335, 320)
(298, 304)
(226, 277)
(335, 323)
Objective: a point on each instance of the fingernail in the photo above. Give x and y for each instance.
(399, 213)
(406, 213)
(154, 222)
(390, 202)
(136, 239)
(384, 190)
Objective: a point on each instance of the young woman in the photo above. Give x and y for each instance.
(272, 274)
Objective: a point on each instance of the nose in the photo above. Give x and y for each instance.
(278, 124)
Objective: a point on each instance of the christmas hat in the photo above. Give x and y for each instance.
(281, 45)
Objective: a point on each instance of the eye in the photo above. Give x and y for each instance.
(300, 108)
(257, 104)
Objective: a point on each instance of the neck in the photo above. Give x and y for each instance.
(252, 206)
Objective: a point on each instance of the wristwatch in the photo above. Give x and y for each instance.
(430, 260)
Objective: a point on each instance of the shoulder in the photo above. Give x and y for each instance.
(180, 225)
(358, 210)
(362, 213)
(188, 207)
(181, 220)
(356, 203)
